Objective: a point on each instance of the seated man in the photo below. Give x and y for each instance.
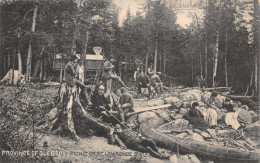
(100, 102)
(157, 83)
(126, 103)
(133, 141)
(228, 105)
(195, 117)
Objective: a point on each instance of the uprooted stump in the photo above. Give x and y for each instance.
(69, 118)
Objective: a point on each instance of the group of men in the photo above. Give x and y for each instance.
(107, 102)
(151, 81)
(108, 99)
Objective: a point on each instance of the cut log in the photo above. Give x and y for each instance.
(199, 148)
(140, 110)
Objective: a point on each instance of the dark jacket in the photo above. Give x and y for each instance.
(99, 100)
(126, 98)
(71, 74)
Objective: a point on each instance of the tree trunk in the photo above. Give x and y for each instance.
(20, 70)
(216, 60)
(146, 62)
(69, 118)
(206, 47)
(38, 64)
(4, 64)
(192, 70)
(206, 62)
(164, 61)
(74, 37)
(8, 61)
(84, 54)
(36, 70)
(256, 46)
(200, 58)
(226, 75)
(13, 68)
(160, 62)
(44, 70)
(40, 76)
(155, 54)
(29, 57)
(61, 74)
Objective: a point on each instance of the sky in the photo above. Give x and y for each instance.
(183, 16)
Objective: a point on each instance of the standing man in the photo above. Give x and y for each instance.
(126, 103)
(71, 77)
(108, 77)
(142, 82)
(150, 71)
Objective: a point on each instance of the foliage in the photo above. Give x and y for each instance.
(62, 26)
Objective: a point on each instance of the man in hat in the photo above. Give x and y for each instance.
(132, 140)
(99, 101)
(114, 62)
(157, 83)
(150, 71)
(126, 103)
(142, 82)
(71, 74)
(108, 76)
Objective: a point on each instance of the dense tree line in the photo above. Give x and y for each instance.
(216, 46)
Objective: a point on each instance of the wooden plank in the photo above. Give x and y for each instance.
(139, 110)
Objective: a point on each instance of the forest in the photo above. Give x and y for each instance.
(221, 46)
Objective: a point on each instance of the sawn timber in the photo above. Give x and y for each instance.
(203, 149)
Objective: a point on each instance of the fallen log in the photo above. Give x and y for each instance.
(245, 100)
(203, 149)
(140, 110)
(217, 89)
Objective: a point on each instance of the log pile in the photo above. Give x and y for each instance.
(170, 120)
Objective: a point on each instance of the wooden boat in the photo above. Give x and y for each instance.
(203, 149)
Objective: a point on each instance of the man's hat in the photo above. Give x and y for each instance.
(123, 89)
(101, 87)
(194, 104)
(107, 65)
(73, 57)
(117, 126)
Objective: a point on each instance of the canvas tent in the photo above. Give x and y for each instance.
(11, 77)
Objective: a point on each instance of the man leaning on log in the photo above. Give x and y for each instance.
(71, 77)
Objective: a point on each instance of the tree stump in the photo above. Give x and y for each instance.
(69, 118)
